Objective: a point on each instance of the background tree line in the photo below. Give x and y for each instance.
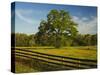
(79, 40)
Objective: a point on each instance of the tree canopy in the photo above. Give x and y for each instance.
(58, 27)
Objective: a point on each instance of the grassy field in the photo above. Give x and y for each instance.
(23, 68)
(74, 52)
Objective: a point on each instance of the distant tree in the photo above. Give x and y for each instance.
(85, 40)
(94, 39)
(56, 30)
(88, 39)
(78, 40)
(31, 40)
(22, 39)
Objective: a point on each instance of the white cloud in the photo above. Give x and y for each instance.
(86, 25)
(85, 19)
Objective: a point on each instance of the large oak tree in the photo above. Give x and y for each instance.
(57, 29)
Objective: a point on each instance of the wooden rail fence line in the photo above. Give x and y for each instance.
(74, 63)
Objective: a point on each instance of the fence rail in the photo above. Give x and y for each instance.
(73, 63)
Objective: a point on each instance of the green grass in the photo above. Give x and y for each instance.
(74, 52)
(23, 68)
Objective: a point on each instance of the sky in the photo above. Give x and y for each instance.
(29, 15)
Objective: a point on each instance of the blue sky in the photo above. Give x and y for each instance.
(29, 15)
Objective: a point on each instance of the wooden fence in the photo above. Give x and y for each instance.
(56, 61)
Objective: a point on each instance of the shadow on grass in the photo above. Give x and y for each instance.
(32, 65)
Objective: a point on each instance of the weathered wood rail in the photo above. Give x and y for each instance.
(55, 60)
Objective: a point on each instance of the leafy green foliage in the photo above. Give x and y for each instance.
(57, 29)
(85, 40)
(24, 39)
(79, 40)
